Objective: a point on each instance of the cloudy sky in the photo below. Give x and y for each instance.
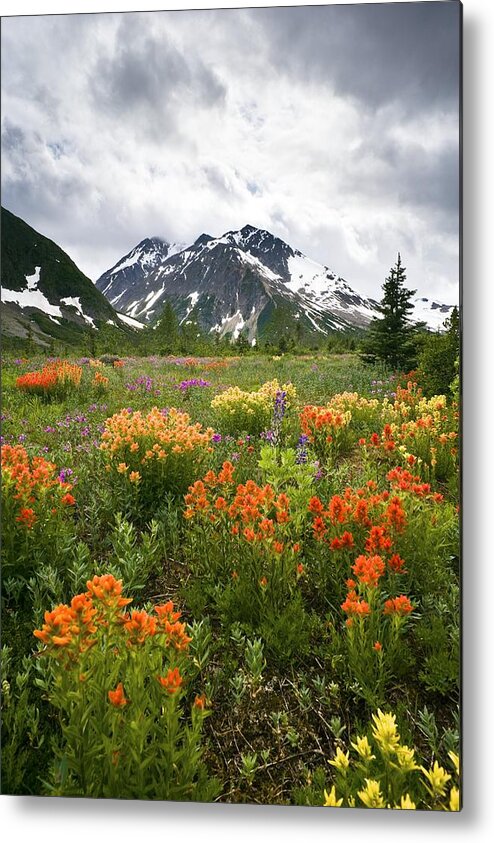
(336, 128)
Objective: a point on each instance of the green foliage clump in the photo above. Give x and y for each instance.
(437, 362)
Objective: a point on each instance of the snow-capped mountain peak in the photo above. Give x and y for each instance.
(245, 280)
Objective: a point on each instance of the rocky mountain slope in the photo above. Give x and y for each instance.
(247, 280)
(44, 295)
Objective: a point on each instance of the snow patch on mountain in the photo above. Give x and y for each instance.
(31, 296)
(308, 276)
(129, 321)
(246, 257)
(75, 301)
(432, 312)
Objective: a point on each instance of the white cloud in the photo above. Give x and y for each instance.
(120, 127)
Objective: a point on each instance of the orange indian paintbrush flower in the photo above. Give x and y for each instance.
(117, 697)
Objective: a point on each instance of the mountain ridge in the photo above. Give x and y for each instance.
(242, 281)
(44, 294)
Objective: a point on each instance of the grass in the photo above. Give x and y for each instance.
(276, 721)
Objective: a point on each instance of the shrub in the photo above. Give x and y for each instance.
(53, 381)
(242, 541)
(327, 431)
(379, 771)
(239, 411)
(36, 507)
(118, 682)
(150, 455)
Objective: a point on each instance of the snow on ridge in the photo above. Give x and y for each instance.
(129, 321)
(147, 257)
(149, 301)
(31, 297)
(33, 280)
(308, 275)
(193, 301)
(126, 263)
(259, 265)
(175, 249)
(73, 301)
(432, 312)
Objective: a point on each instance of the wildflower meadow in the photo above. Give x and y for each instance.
(230, 580)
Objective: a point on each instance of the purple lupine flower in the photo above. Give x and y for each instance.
(268, 436)
(64, 474)
(216, 438)
(185, 385)
(319, 473)
(302, 455)
(22, 437)
(279, 407)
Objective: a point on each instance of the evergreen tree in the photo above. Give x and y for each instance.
(167, 331)
(242, 344)
(391, 337)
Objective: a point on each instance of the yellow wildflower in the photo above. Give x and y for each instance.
(341, 760)
(406, 804)
(384, 731)
(437, 778)
(454, 799)
(363, 747)
(406, 759)
(371, 795)
(330, 799)
(456, 761)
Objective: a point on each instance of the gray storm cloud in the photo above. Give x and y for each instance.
(335, 127)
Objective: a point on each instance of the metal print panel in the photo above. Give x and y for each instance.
(231, 398)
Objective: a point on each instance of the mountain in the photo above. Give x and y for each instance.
(245, 281)
(44, 294)
(130, 274)
(433, 313)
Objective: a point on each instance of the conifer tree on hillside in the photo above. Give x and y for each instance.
(167, 331)
(391, 336)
